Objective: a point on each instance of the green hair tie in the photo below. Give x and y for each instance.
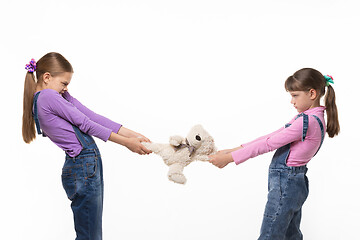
(329, 79)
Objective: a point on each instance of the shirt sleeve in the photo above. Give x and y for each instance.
(263, 137)
(66, 110)
(269, 142)
(92, 115)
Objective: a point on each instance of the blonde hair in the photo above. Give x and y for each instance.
(53, 63)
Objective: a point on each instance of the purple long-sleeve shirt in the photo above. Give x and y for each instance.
(58, 112)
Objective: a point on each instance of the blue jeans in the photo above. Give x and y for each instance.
(82, 178)
(288, 190)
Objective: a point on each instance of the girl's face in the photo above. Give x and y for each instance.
(58, 83)
(303, 100)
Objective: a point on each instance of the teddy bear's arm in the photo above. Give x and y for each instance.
(203, 158)
(176, 140)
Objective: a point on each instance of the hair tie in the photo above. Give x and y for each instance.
(329, 79)
(31, 67)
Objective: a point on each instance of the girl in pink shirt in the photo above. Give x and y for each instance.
(296, 143)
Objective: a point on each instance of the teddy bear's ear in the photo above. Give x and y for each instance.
(197, 128)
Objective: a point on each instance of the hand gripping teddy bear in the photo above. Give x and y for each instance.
(182, 151)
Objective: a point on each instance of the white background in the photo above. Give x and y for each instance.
(160, 67)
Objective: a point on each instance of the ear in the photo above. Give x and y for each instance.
(46, 77)
(313, 94)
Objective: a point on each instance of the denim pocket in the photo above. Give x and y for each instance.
(274, 181)
(274, 194)
(68, 178)
(91, 166)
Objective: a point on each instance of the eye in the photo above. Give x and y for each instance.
(198, 138)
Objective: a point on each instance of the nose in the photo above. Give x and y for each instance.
(292, 101)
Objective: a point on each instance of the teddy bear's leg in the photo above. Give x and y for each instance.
(175, 173)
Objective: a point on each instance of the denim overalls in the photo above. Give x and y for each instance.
(82, 179)
(288, 189)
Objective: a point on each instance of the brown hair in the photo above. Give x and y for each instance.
(308, 78)
(53, 63)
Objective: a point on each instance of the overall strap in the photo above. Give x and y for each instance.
(281, 154)
(85, 140)
(305, 124)
(322, 132)
(35, 114)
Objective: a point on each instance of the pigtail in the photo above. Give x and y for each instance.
(28, 123)
(53, 63)
(333, 126)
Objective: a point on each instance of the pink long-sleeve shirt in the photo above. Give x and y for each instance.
(58, 112)
(301, 152)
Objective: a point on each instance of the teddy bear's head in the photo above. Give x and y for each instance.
(201, 140)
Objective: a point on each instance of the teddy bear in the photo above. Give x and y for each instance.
(180, 151)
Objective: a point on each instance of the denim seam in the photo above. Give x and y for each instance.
(87, 217)
(281, 201)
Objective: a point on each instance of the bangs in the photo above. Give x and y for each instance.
(292, 84)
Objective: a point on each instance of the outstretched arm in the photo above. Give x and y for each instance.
(230, 150)
(125, 132)
(121, 135)
(132, 143)
(104, 121)
(221, 158)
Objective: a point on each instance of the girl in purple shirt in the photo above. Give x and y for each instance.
(296, 144)
(65, 121)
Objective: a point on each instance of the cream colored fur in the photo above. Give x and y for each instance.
(178, 158)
